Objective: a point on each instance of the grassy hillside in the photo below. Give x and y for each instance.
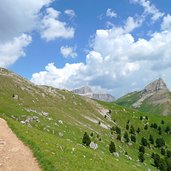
(151, 105)
(128, 99)
(52, 123)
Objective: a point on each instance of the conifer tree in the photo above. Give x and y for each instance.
(144, 141)
(142, 149)
(132, 130)
(141, 157)
(126, 136)
(112, 147)
(86, 139)
(151, 139)
(138, 130)
(133, 138)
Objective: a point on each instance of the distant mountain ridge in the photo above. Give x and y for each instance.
(154, 98)
(87, 91)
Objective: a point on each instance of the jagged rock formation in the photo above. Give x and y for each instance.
(156, 86)
(83, 90)
(87, 91)
(156, 89)
(155, 98)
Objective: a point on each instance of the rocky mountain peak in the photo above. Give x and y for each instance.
(156, 86)
(83, 90)
(87, 92)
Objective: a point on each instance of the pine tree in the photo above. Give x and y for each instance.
(159, 128)
(160, 142)
(144, 141)
(152, 155)
(91, 134)
(162, 122)
(141, 157)
(133, 138)
(163, 152)
(142, 149)
(127, 127)
(146, 127)
(155, 126)
(118, 137)
(126, 136)
(112, 147)
(167, 130)
(138, 130)
(132, 130)
(86, 139)
(118, 130)
(151, 139)
(169, 154)
(160, 132)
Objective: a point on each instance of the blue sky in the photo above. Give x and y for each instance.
(112, 46)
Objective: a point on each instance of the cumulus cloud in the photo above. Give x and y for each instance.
(11, 51)
(52, 28)
(61, 78)
(149, 9)
(67, 52)
(19, 17)
(166, 24)
(132, 24)
(115, 61)
(70, 13)
(110, 13)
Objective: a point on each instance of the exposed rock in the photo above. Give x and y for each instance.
(87, 92)
(61, 134)
(156, 93)
(15, 97)
(30, 119)
(155, 86)
(93, 145)
(60, 121)
(103, 97)
(116, 154)
(83, 90)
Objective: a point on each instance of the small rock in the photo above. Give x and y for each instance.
(93, 145)
(116, 154)
(60, 121)
(61, 134)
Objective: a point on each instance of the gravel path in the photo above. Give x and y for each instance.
(14, 155)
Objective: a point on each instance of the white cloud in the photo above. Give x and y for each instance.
(11, 51)
(110, 13)
(132, 24)
(19, 17)
(70, 13)
(67, 51)
(61, 78)
(53, 28)
(149, 9)
(115, 61)
(166, 24)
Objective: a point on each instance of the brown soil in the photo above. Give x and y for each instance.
(14, 155)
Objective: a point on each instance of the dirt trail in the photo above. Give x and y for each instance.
(14, 155)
